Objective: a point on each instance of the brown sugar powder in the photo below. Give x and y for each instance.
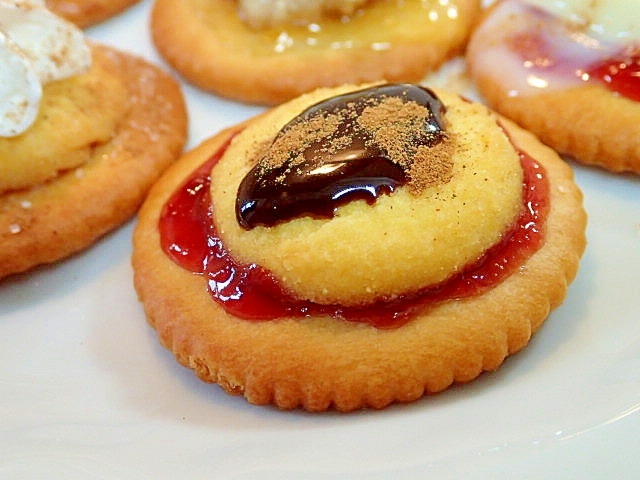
(385, 125)
(396, 126)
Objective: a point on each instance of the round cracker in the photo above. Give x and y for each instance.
(322, 363)
(51, 221)
(207, 42)
(586, 121)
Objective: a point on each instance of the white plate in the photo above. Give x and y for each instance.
(86, 391)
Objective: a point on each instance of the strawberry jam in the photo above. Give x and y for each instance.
(620, 74)
(247, 291)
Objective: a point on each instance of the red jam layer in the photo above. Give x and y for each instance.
(621, 74)
(250, 292)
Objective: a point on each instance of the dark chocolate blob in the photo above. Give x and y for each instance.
(320, 176)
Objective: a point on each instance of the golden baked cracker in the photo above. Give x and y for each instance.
(50, 221)
(85, 13)
(208, 43)
(320, 363)
(76, 115)
(586, 121)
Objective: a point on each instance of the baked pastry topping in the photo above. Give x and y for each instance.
(36, 48)
(347, 270)
(90, 106)
(556, 45)
(189, 231)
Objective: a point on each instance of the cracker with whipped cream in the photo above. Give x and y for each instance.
(268, 52)
(85, 13)
(569, 72)
(357, 246)
(84, 132)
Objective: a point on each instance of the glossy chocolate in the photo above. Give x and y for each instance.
(318, 176)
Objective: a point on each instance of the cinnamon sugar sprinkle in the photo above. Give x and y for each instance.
(388, 125)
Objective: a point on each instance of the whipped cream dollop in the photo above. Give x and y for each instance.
(36, 47)
(609, 18)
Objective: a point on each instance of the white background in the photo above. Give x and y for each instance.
(86, 391)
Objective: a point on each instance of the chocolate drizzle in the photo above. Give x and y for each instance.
(356, 146)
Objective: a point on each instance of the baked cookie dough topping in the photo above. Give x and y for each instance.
(369, 259)
(260, 13)
(358, 145)
(36, 47)
(549, 44)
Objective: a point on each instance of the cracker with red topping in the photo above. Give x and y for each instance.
(254, 56)
(430, 259)
(85, 13)
(124, 122)
(575, 88)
